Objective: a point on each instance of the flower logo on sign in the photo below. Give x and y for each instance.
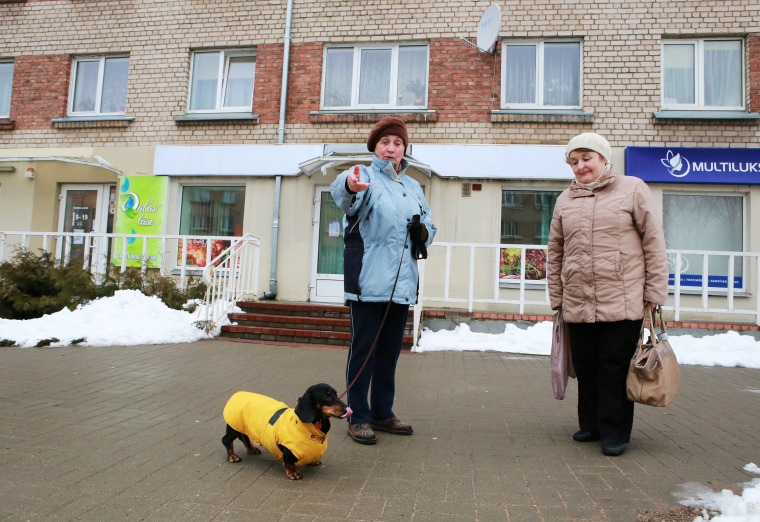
(677, 165)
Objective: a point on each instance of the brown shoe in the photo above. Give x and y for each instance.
(362, 433)
(392, 425)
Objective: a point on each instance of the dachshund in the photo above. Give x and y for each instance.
(294, 436)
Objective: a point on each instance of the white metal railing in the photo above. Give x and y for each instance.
(477, 271)
(231, 275)
(175, 254)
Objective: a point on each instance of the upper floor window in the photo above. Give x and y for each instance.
(375, 77)
(99, 85)
(703, 74)
(541, 75)
(222, 81)
(6, 85)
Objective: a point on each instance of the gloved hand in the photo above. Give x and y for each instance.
(418, 233)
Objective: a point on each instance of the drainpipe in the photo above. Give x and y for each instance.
(272, 294)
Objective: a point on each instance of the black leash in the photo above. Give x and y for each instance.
(382, 323)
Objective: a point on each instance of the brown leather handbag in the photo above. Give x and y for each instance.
(653, 375)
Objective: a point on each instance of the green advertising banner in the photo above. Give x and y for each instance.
(141, 210)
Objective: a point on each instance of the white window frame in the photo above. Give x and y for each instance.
(10, 88)
(223, 71)
(539, 95)
(745, 267)
(355, 77)
(699, 81)
(99, 93)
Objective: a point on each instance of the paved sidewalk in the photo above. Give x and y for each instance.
(133, 433)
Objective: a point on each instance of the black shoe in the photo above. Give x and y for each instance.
(585, 436)
(612, 448)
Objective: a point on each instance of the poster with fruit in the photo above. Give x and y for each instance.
(535, 264)
(197, 251)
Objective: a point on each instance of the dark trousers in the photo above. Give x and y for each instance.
(601, 355)
(379, 375)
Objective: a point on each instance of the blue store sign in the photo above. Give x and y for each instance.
(694, 165)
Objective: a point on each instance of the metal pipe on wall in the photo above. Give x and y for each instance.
(272, 293)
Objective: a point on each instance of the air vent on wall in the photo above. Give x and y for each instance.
(466, 190)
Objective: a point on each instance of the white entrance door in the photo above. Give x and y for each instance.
(84, 209)
(326, 285)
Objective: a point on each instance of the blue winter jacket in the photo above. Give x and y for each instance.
(375, 233)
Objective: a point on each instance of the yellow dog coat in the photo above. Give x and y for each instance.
(269, 422)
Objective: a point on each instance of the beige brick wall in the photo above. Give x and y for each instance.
(621, 65)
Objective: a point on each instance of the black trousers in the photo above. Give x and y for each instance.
(601, 355)
(379, 375)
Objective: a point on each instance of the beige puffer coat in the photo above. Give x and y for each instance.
(606, 252)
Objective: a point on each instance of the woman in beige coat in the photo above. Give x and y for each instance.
(606, 261)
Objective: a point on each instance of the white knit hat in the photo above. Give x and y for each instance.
(590, 141)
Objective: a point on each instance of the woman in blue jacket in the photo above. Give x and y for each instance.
(387, 227)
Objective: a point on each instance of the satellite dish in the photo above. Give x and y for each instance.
(488, 28)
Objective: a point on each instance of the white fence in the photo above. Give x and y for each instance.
(229, 265)
(492, 277)
(489, 276)
(230, 276)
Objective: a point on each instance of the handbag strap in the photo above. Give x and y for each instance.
(648, 322)
(660, 323)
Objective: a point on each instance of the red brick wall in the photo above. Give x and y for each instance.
(304, 81)
(40, 90)
(460, 81)
(464, 83)
(266, 93)
(753, 45)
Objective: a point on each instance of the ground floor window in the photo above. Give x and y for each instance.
(704, 222)
(526, 216)
(210, 211)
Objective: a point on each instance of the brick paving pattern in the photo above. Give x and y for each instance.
(133, 433)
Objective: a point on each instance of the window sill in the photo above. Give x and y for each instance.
(530, 284)
(216, 117)
(712, 292)
(541, 116)
(373, 116)
(7, 124)
(87, 122)
(736, 116)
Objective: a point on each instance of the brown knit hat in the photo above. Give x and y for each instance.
(386, 126)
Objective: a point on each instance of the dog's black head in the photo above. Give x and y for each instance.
(319, 403)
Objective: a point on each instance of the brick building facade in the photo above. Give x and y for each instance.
(622, 52)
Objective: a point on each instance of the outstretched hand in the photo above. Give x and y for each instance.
(353, 183)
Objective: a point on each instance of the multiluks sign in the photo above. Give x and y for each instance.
(694, 165)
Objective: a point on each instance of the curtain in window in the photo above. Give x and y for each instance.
(339, 66)
(85, 85)
(6, 85)
(521, 74)
(375, 77)
(696, 222)
(678, 74)
(562, 70)
(723, 73)
(114, 93)
(412, 80)
(203, 87)
(239, 88)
